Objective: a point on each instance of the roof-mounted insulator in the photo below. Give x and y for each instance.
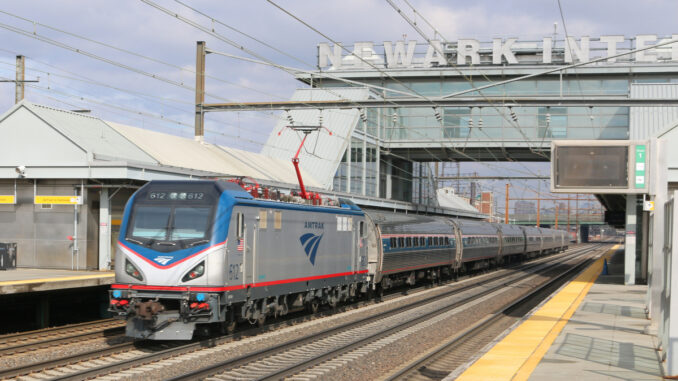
(363, 115)
(320, 118)
(395, 117)
(289, 118)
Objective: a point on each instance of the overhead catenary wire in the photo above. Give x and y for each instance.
(139, 55)
(244, 34)
(442, 54)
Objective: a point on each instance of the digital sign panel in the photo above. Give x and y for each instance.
(599, 166)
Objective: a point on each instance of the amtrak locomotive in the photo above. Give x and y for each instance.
(203, 254)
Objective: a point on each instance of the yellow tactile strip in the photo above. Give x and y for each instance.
(516, 356)
(56, 279)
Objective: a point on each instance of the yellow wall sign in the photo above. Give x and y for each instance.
(7, 199)
(61, 200)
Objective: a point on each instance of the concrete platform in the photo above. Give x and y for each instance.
(607, 338)
(32, 280)
(594, 328)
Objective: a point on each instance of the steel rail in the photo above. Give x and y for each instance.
(61, 340)
(51, 330)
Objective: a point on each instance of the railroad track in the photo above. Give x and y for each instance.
(50, 337)
(453, 353)
(337, 346)
(125, 356)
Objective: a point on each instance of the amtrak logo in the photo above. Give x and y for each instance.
(310, 242)
(163, 259)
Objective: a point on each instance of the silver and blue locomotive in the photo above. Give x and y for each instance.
(203, 254)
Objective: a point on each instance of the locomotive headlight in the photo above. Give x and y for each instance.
(195, 272)
(132, 271)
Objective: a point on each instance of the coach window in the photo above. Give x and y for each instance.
(393, 243)
(408, 242)
(401, 242)
(240, 225)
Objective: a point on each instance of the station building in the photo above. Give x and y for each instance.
(390, 149)
(65, 178)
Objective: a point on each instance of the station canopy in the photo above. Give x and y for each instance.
(55, 143)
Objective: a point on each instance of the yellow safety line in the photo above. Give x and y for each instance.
(62, 279)
(517, 355)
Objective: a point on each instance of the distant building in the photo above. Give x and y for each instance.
(525, 207)
(486, 203)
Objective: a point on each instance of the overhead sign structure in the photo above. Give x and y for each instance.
(59, 200)
(509, 51)
(599, 166)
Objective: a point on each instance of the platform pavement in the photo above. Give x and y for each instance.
(601, 333)
(33, 280)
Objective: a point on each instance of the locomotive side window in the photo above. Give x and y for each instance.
(277, 220)
(240, 225)
(362, 229)
(263, 219)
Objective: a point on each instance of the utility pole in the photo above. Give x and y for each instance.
(20, 77)
(200, 91)
(568, 214)
(576, 216)
(538, 202)
(506, 210)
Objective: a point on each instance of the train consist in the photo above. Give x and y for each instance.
(203, 254)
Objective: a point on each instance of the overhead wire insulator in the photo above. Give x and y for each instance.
(470, 122)
(514, 117)
(289, 117)
(395, 117)
(436, 113)
(548, 119)
(320, 118)
(363, 115)
(480, 118)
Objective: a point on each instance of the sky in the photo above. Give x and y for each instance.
(131, 63)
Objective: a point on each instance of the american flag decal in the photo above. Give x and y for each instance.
(241, 245)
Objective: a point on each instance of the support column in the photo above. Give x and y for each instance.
(630, 245)
(104, 231)
(389, 180)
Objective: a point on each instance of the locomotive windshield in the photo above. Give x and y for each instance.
(169, 218)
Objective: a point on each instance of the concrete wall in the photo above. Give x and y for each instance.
(41, 231)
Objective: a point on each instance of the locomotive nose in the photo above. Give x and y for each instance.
(147, 310)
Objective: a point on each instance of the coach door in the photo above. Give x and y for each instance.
(246, 245)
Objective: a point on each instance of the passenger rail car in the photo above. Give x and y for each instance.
(194, 255)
